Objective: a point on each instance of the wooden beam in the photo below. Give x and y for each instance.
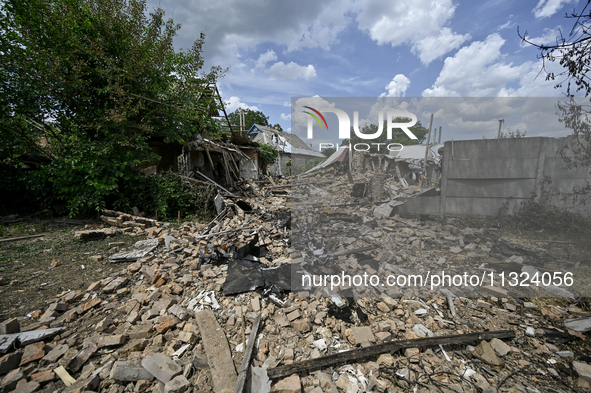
(14, 239)
(214, 183)
(244, 366)
(209, 158)
(392, 346)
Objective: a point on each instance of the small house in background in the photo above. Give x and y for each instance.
(289, 146)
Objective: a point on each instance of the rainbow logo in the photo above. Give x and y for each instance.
(315, 117)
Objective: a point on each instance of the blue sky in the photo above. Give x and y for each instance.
(276, 50)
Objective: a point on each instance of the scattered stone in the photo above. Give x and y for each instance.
(126, 371)
(10, 361)
(347, 383)
(82, 357)
(290, 384)
(33, 352)
(43, 376)
(178, 384)
(10, 326)
(302, 325)
(500, 347)
(578, 325)
(55, 354)
(412, 354)
(584, 370)
(10, 380)
(358, 335)
(26, 387)
(530, 306)
(162, 367)
(485, 352)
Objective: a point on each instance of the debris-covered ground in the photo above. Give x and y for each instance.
(175, 312)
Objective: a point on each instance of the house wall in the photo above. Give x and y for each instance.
(249, 169)
(297, 160)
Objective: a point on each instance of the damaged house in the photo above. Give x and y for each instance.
(289, 146)
(230, 158)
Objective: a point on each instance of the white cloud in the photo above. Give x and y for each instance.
(287, 104)
(286, 117)
(430, 48)
(414, 22)
(234, 103)
(232, 26)
(546, 8)
(479, 70)
(397, 87)
(280, 70)
(507, 24)
(264, 58)
(474, 71)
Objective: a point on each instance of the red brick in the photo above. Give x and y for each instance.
(43, 376)
(164, 324)
(33, 352)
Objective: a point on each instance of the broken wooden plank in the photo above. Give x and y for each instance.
(215, 221)
(214, 183)
(209, 158)
(361, 353)
(14, 239)
(219, 356)
(190, 179)
(452, 307)
(64, 376)
(350, 177)
(247, 354)
(227, 172)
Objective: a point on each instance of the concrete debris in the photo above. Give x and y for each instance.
(139, 250)
(578, 325)
(219, 355)
(486, 353)
(180, 315)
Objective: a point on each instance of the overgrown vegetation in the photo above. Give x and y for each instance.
(551, 219)
(84, 87)
(510, 134)
(267, 156)
(309, 165)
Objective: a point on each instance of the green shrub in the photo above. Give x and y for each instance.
(538, 216)
(267, 156)
(309, 165)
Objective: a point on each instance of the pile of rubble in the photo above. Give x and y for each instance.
(212, 307)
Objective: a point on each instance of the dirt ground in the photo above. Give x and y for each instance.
(28, 263)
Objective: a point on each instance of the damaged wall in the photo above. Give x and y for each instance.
(482, 176)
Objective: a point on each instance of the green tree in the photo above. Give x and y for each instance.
(573, 53)
(250, 117)
(84, 85)
(576, 154)
(398, 136)
(510, 134)
(328, 151)
(267, 156)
